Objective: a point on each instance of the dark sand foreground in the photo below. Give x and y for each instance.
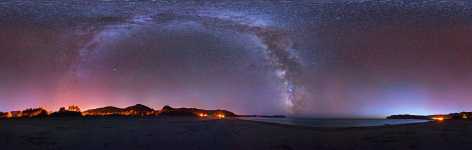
(191, 133)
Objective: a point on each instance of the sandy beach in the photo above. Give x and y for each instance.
(193, 133)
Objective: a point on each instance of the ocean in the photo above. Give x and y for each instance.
(311, 122)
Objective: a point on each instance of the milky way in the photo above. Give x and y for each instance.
(278, 49)
(326, 58)
(276, 45)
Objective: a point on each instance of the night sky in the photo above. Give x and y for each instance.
(318, 58)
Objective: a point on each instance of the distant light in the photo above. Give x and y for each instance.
(203, 115)
(438, 118)
(220, 116)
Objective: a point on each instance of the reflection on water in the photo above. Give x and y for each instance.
(335, 122)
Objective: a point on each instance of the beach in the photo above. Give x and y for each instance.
(199, 134)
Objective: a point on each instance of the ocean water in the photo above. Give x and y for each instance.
(310, 122)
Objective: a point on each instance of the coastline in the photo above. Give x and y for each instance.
(335, 127)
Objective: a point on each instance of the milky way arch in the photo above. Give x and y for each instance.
(277, 46)
(279, 50)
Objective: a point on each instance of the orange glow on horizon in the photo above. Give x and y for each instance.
(203, 115)
(438, 118)
(220, 116)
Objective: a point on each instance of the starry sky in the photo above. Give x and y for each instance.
(317, 58)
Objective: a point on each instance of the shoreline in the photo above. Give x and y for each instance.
(229, 118)
(231, 133)
(335, 127)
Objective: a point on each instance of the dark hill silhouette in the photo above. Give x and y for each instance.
(138, 110)
(169, 111)
(263, 116)
(139, 107)
(407, 116)
(454, 116)
(109, 110)
(27, 113)
(65, 113)
(135, 110)
(34, 113)
(167, 108)
(461, 115)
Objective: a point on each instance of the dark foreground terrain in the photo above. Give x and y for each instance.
(192, 133)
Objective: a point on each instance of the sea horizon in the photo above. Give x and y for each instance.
(334, 122)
